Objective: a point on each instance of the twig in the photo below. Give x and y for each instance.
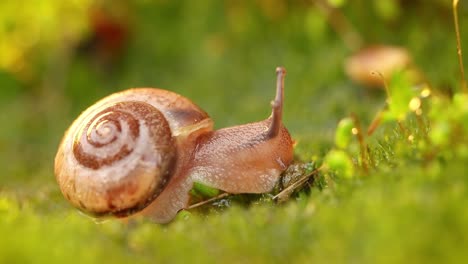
(208, 201)
(288, 190)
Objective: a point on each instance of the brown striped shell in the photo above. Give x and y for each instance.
(119, 154)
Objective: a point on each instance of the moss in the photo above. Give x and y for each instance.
(383, 218)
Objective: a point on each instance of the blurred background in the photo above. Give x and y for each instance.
(58, 57)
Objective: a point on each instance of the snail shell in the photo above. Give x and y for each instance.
(120, 153)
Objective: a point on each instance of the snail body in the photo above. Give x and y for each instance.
(140, 151)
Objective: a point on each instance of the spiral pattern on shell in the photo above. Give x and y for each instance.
(116, 158)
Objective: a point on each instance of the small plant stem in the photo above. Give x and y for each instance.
(459, 49)
(288, 190)
(375, 123)
(387, 89)
(220, 196)
(362, 144)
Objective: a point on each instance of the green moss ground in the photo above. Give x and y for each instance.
(407, 208)
(386, 219)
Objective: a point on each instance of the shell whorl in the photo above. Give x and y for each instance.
(116, 157)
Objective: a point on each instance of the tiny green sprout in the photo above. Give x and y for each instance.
(183, 215)
(344, 134)
(203, 190)
(340, 163)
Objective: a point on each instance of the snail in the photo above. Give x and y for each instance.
(139, 152)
